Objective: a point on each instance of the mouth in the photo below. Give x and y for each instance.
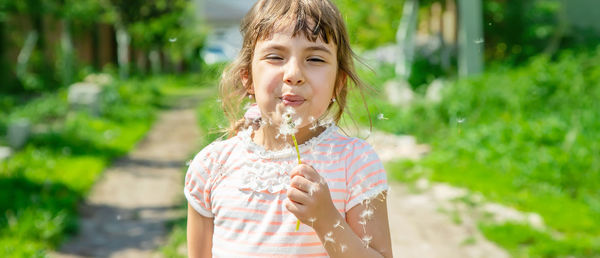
(292, 100)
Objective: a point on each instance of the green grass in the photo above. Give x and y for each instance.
(43, 183)
(529, 138)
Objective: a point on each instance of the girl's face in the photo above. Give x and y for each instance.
(293, 72)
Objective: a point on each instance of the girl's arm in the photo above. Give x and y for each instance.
(199, 234)
(355, 239)
(364, 233)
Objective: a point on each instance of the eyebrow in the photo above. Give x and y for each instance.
(310, 48)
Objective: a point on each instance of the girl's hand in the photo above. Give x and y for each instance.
(309, 198)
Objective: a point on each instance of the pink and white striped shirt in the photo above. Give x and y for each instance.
(242, 186)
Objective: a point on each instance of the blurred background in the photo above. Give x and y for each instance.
(504, 92)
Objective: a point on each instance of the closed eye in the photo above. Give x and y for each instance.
(273, 57)
(314, 59)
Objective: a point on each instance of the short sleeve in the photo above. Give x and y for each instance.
(365, 175)
(197, 184)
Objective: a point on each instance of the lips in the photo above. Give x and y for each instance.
(292, 100)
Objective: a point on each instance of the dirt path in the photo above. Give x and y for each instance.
(427, 221)
(128, 207)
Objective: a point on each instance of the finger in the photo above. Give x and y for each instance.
(307, 172)
(297, 196)
(293, 207)
(301, 183)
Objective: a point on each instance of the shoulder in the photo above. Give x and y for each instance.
(217, 152)
(352, 145)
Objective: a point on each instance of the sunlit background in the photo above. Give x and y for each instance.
(504, 94)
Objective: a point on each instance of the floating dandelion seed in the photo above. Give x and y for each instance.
(313, 122)
(343, 247)
(312, 221)
(479, 41)
(329, 237)
(187, 163)
(366, 214)
(381, 117)
(460, 120)
(363, 222)
(338, 224)
(172, 40)
(312, 189)
(118, 217)
(367, 240)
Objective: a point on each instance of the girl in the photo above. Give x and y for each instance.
(246, 193)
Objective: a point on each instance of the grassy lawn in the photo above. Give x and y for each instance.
(526, 137)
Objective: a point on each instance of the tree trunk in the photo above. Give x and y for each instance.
(470, 37)
(67, 54)
(405, 38)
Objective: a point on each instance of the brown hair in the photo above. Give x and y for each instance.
(267, 17)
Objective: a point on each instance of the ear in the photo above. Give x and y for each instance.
(341, 83)
(246, 81)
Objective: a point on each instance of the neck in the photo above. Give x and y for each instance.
(266, 137)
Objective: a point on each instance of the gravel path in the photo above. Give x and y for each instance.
(127, 209)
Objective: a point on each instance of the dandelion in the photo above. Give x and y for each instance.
(338, 224)
(367, 240)
(172, 40)
(381, 117)
(289, 128)
(329, 237)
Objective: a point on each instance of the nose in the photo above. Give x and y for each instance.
(293, 74)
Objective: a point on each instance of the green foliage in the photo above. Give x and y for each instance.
(42, 184)
(371, 23)
(527, 137)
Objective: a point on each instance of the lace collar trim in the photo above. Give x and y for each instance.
(246, 137)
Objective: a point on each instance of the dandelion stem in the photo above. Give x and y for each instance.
(299, 162)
